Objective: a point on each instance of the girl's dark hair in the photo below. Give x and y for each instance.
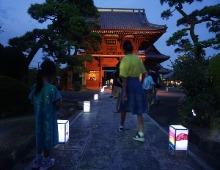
(47, 69)
(127, 46)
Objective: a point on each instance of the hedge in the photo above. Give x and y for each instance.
(14, 97)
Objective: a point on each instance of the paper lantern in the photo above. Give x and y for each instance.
(86, 106)
(103, 89)
(63, 130)
(96, 96)
(178, 137)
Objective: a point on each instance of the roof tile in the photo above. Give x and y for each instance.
(125, 19)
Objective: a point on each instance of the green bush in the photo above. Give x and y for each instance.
(77, 86)
(214, 71)
(12, 63)
(13, 98)
(204, 105)
(193, 74)
(215, 125)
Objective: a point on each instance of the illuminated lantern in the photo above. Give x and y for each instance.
(178, 137)
(86, 106)
(96, 96)
(102, 89)
(63, 130)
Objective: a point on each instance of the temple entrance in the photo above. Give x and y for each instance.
(108, 76)
(116, 26)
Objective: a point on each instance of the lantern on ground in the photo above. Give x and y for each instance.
(86, 106)
(178, 137)
(102, 89)
(63, 130)
(96, 96)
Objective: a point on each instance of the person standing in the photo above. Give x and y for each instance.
(148, 85)
(45, 97)
(131, 67)
(117, 81)
(156, 79)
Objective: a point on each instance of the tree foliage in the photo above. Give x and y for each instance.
(193, 74)
(188, 21)
(12, 63)
(214, 71)
(68, 29)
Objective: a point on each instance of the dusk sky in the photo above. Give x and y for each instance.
(16, 22)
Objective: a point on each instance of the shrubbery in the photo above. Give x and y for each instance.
(201, 91)
(13, 98)
(204, 106)
(12, 63)
(214, 71)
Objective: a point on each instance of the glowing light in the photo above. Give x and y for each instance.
(96, 96)
(86, 106)
(103, 88)
(178, 137)
(63, 130)
(193, 112)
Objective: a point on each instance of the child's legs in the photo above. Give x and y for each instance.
(123, 117)
(140, 122)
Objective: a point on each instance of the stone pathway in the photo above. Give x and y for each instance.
(95, 143)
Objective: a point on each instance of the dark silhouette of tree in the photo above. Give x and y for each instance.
(12, 63)
(68, 30)
(209, 15)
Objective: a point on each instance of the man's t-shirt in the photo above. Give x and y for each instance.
(131, 66)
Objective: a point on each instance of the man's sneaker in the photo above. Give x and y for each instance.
(121, 128)
(139, 138)
(37, 161)
(47, 163)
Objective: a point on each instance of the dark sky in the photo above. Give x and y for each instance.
(15, 21)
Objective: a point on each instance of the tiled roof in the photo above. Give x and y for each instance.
(125, 19)
(153, 54)
(167, 74)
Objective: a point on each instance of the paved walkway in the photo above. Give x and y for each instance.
(95, 143)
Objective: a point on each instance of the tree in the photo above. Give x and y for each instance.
(193, 74)
(209, 15)
(68, 30)
(12, 63)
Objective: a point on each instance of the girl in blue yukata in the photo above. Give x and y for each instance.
(45, 97)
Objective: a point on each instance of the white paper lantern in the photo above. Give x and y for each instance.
(63, 130)
(86, 106)
(178, 137)
(96, 96)
(102, 89)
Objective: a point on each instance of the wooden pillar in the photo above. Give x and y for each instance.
(100, 71)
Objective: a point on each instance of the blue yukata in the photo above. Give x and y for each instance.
(45, 116)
